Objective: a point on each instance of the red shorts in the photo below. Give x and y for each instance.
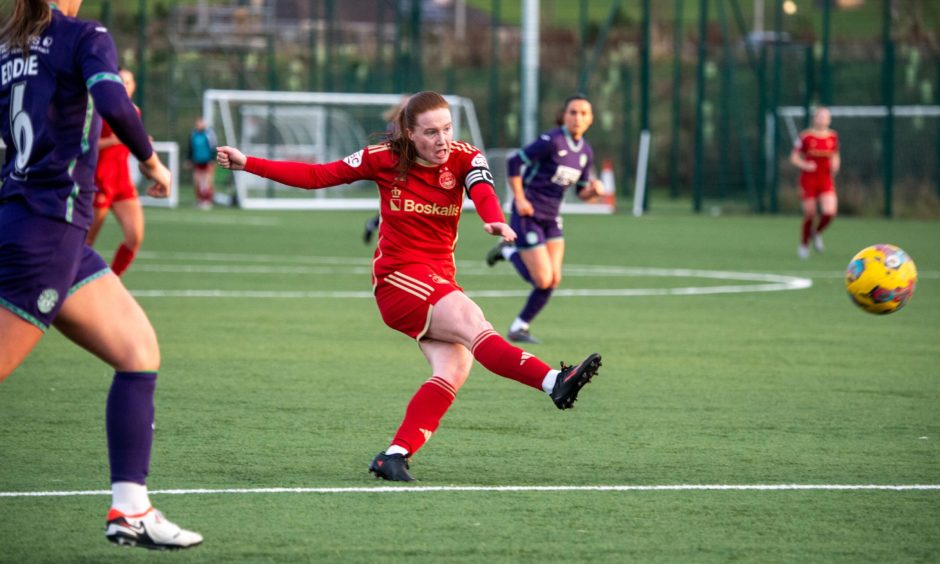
(811, 187)
(113, 179)
(407, 294)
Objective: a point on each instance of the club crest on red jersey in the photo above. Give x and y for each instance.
(447, 180)
(395, 202)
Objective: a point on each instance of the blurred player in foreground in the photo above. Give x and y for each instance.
(816, 154)
(422, 173)
(116, 191)
(48, 276)
(558, 159)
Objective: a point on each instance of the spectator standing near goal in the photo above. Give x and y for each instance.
(421, 173)
(816, 154)
(116, 191)
(48, 275)
(558, 159)
(202, 143)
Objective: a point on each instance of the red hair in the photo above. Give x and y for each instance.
(407, 120)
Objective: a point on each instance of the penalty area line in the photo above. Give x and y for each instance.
(429, 489)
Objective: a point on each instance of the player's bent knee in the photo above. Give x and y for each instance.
(139, 359)
(140, 352)
(133, 241)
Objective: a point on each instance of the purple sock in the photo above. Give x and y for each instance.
(129, 423)
(521, 268)
(537, 300)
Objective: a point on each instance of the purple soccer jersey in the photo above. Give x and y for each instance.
(47, 118)
(553, 162)
(49, 127)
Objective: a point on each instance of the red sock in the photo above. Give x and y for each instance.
(823, 222)
(122, 259)
(807, 229)
(424, 413)
(499, 357)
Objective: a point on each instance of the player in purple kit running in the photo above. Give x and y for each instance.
(50, 62)
(558, 159)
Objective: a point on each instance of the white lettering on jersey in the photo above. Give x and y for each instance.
(479, 160)
(354, 160)
(18, 68)
(566, 176)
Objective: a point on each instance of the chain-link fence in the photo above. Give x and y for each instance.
(473, 48)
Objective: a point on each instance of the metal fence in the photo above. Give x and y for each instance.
(696, 72)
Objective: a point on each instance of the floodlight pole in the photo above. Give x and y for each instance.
(530, 71)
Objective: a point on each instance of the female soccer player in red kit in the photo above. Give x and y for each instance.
(816, 154)
(116, 191)
(421, 173)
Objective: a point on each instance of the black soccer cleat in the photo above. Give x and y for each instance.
(391, 467)
(495, 254)
(572, 378)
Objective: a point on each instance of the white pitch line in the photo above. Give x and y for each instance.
(764, 283)
(429, 489)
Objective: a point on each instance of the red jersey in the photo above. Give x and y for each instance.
(115, 153)
(419, 210)
(819, 148)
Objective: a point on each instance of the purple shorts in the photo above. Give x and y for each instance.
(532, 232)
(42, 261)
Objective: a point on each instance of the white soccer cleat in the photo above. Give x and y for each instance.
(149, 529)
(818, 243)
(803, 251)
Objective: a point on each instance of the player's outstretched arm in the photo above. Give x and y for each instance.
(231, 158)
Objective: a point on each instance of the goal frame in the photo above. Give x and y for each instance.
(464, 116)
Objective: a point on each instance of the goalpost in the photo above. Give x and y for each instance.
(313, 127)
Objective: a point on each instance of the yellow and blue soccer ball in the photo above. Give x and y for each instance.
(881, 279)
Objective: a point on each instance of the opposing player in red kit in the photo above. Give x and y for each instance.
(421, 174)
(116, 191)
(816, 154)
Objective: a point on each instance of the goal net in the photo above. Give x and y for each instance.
(312, 127)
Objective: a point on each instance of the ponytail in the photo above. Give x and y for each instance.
(28, 20)
(407, 119)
